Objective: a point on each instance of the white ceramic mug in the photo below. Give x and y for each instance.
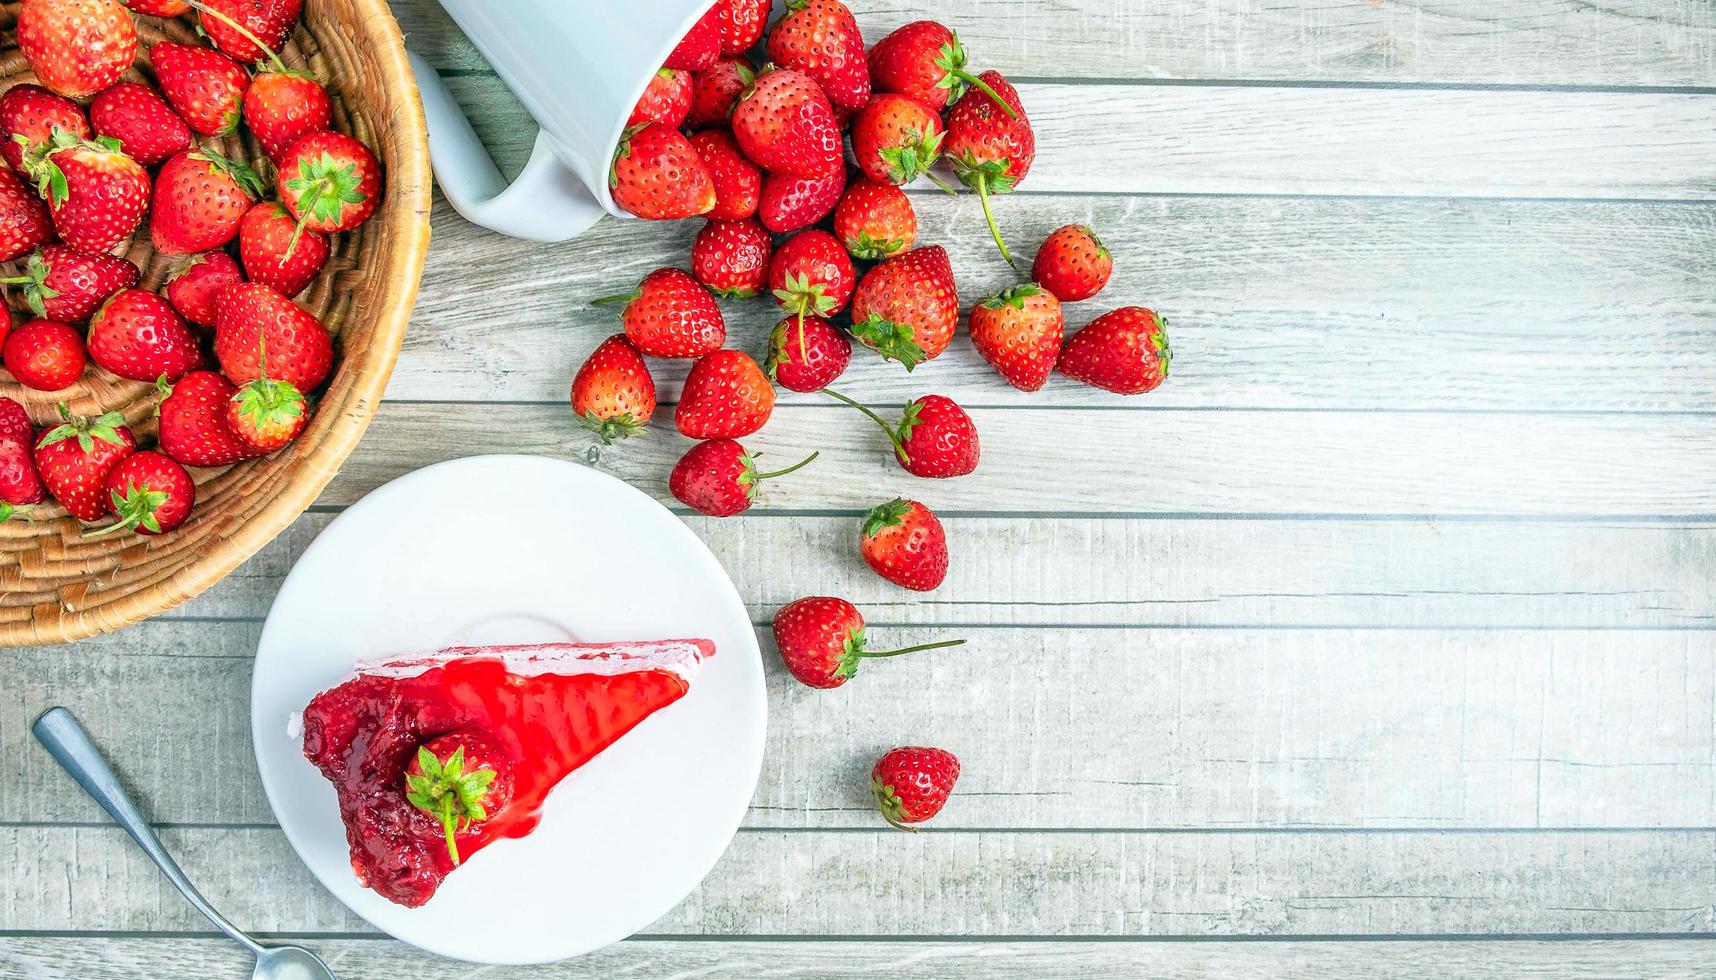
(579, 66)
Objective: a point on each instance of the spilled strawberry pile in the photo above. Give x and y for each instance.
(236, 361)
(761, 155)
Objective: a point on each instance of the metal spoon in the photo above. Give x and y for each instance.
(70, 746)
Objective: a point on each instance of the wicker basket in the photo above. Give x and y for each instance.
(56, 585)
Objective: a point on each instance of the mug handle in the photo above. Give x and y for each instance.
(546, 203)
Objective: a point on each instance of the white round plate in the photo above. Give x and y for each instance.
(522, 549)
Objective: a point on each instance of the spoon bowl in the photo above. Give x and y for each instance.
(290, 963)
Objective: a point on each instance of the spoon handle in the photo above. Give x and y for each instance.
(70, 746)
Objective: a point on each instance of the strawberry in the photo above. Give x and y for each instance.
(44, 355)
(74, 459)
(459, 779)
(821, 640)
(192, 290)
(907, 307)
(1125, 351)
(193, 426)
(896, 140)
(821, 39)
(157, 8)
(924, 61)
(282, 106)
(811, 275)
(806, 354)
(96, 194)
(715, 91)
(266, 414)
(738, 181)
(789, 203)
(200, 197)
(205, 87)
(265, 245)
(731, 258)
(148, 493)
(24, 219)
(29, 114)
(234, 26)
(720, 479)
(903, 542)
(742, 23)
(76, 47)
(785, 124)
(875, 220)
(329, 181)
(911, 784)
(20, 484)
(935, 438)
(252, 320)
(147, 128)
(700, 46)
(1072, 264)
(726, 396)
(1018, 331)
(67, 285)
(658, 174)
(991, 144)
(138, 335)
(613, 394)
(666, 99)
(670, 315)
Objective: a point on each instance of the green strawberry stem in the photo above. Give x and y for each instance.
(801, 464)
(208, 11)
(803, 353)
(944, 185)
(893, 436)
(610, 300)
(983, 86)
(981, 185)
(867, 654)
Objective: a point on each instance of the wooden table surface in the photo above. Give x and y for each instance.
(1392, 616)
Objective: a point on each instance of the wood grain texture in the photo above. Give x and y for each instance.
(1056, 728)
(879, 883)
(1618, 42)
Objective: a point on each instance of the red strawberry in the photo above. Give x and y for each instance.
(74, 459)
(924, 61)
(20, 484)
(991, 144)
(138, 335)
(282, 106)
(912, 783)
(29, 114)
(657, 174)
(731, 258)
(44, 355)
(742, 23)
(1124, 351)
(935, 438)
(700, 46)
(193, 426)
(821, 640)
(265, 244)
(896, 140)
(1018, 331)
(24, 219)
(720, 479)
(205, 87)
(157, 8)
(1072, 264)
(821, 39)
(715, 91)
(903, 542)
(147, 128)
(613, 394)
(670, 315)
(96, 194)
(329, 181)
(200, 197)
(786, 125)
(193, 289)
(666, 100)
(76, 47)
(267, 414)
(875, 221)
(726, 396)
(235, 25)
(810, 361)
(906, 308)
(789, 203)
(738, 181)
(252, 319)
(148, 493)
(67, 285)
(811, 275)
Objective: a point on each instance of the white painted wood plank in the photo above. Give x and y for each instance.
(1273, 303)
(1620, 42)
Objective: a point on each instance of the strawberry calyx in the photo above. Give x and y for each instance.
(323, 188)
(269, 406)
(246, 178)
(804, 298)
(888, 802)
(50, 179)
(622, 426)
(749, 478)
(891, 514)
(84, 429)
(893, 340)
(870, 248)
(1159, 344)
(913, 158)
(445, 791)
(622, 150)
(1014, 297)
(134, 508)
(952, 61)
(35, 282)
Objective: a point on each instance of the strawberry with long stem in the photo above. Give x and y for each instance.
(445, 790)
(924, 60)
(991, 151)
(821, 641)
